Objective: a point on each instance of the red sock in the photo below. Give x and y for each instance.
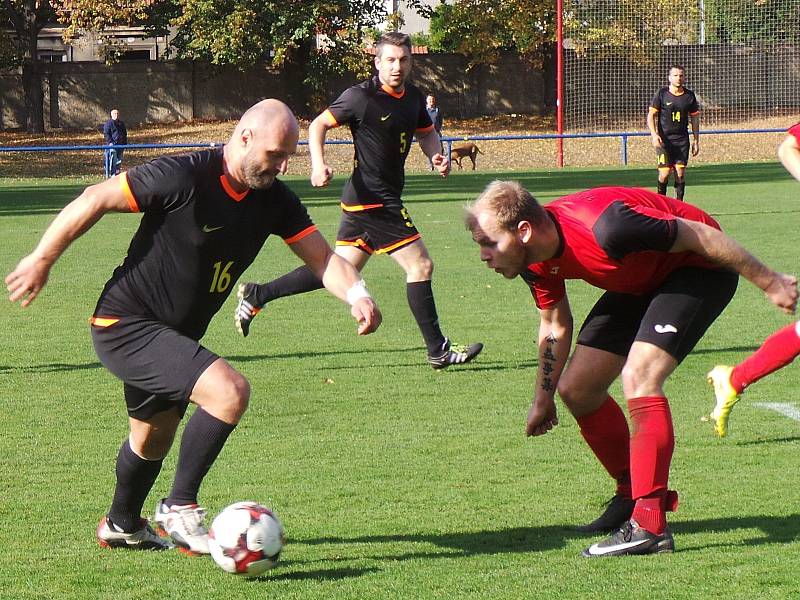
(652, 444)
(606, 431)
(777, 351)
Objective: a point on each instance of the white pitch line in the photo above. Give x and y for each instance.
(786, 409)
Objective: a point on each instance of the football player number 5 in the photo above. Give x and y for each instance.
(403, 142)
(222, 279)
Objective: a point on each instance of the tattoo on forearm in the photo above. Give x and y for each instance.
(547, 364)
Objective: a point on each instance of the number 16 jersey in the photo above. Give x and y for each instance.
(196, 237)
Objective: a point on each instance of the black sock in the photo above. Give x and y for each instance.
(420, 300)
(201, 443)
(662, 188)
(299, 281)
(135, 479)
(680, 187)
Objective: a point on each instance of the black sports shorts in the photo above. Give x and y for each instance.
(380, 230)
(158, 365)
(673, 317)
(673, 152)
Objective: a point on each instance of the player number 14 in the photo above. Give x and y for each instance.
(222, 279)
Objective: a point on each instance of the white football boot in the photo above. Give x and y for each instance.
(185, 524)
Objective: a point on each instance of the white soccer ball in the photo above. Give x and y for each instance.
(246, 538)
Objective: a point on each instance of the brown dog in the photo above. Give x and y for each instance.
(470, 151)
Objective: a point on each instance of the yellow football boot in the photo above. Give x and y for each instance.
(720, 378)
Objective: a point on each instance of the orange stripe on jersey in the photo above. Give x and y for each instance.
(358, 207)
(103, 321)
(425, 129)
(390, 90)
(399, 244)
(330, 120)
(226, 185)
(299, 236)
(359, 243)
(126, 189)
(697, 112)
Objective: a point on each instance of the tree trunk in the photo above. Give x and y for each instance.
(34, 96)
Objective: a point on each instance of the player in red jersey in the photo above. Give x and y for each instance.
(668, 272)
(205, 217)
(778, 350)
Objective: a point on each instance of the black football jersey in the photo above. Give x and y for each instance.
(383, 124)
(196, 237)
(674, 112)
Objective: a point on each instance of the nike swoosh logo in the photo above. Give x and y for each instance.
(386, 117)
(596, 550)
(209, 229)
(665, 329)
(669, 103)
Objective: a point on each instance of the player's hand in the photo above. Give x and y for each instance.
(782, 292)
(655, 139)
(25, 282)
(321, 176)
(368, 315)
(441, 163)
(695, 147)
(542, 417)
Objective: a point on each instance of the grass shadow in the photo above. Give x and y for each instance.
(774, 530)
(319, 574)
(50, 368)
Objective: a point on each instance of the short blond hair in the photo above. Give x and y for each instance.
(510, 203)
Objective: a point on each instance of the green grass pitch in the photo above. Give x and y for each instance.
(393, 480)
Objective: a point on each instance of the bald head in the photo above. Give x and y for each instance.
(269, 113)
(262, 142)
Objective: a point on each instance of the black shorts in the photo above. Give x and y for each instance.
(673, 152)
(673, 317)
(379, 230)
(158, 365)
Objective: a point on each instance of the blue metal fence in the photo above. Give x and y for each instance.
(109, 152)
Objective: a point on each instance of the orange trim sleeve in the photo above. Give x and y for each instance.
(695, 113)
(126, 189)
(299, 236)
(329, 118)
(103, 321)
(425, 129)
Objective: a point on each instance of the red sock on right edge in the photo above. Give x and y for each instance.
(777, 351)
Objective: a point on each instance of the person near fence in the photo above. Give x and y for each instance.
(668, 271)
(778, 350)
(384, 113)
(206, 215)
(115, 134)
(671, 110)
(435, 114)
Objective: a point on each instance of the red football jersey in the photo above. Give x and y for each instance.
(616, 239)
(795, 131)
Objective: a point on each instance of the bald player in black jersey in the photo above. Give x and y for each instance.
(206, 216)
(668, 120)
(384, 114)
